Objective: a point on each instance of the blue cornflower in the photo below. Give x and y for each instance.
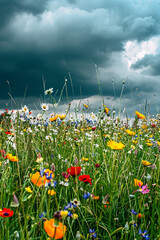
(42, 172)
(69, 214)
(143, 234)
(92, 231)
(86, 195)
(133, 212)
(42, 215)
(70, 206)
(49, 176)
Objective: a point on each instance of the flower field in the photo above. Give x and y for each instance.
(95, 177)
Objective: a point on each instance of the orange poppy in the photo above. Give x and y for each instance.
(50, 229)
(12, 158)
(38, 180)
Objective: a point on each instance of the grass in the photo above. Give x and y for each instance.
(64, 143)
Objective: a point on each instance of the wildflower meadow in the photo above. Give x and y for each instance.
(90, 177)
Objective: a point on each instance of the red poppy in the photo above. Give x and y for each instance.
(74, 171)
(85, 178)
(8, 132)
(6, 212)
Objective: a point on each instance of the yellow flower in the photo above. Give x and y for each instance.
(158, 143)
(138, 183)
(62, 116)
(39, 160)
(12, 158)
(145, 163)
(85, 105)
(106, 110)
(51, 192)
(149, 144)
(133, 147)
(75, 216)
(85, 159)
(114, 145)
(131, 133)
(28, 189)
(64, 214)
(140, 115)
(0, 163)
(135, 142)
(144, 126)
(52, 119)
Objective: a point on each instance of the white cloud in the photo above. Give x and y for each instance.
(135, 51)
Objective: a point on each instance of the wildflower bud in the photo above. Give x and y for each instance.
(75, 216)
(57, 216)
(78, 235)
(97, 165)
(64, 214)
(76, 161)
(53, 167)
(16, 234)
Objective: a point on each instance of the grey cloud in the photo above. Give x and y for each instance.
(52, 38)
(150, 61)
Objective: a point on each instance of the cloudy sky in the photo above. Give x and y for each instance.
(96, 39)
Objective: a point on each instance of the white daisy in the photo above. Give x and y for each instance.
(49, 91)
(25, 109)
(44, 106)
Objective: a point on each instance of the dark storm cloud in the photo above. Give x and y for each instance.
(9, 8)
(52, 38)
(151, 61)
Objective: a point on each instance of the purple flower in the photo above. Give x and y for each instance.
(65, 175)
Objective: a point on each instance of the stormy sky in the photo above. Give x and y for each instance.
(95, 41)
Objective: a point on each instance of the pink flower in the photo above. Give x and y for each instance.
(143, 190)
